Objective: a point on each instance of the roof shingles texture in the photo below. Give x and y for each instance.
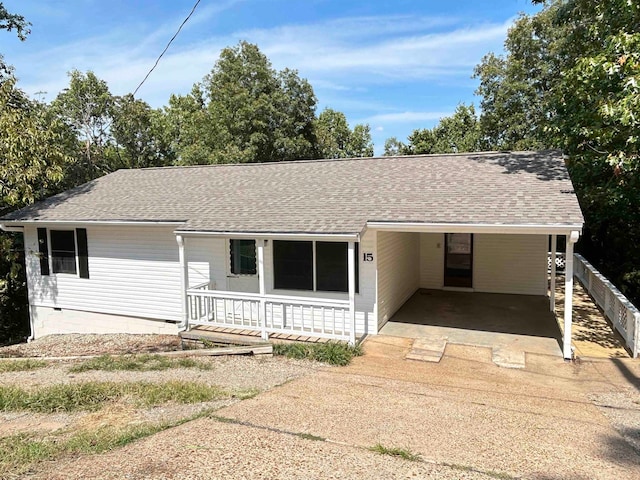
(329, 196)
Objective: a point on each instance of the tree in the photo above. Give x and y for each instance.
(569, 79)
(139, 133)
(393, 147)
(34, 150)
(458, 133)
(86, 106)
(9, 22)
(337, 140)
(244, 111)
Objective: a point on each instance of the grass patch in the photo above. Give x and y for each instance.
(21, 365)
(18, 453)
(92, 395)
(333, 353)
(404, 453)
(140, 363)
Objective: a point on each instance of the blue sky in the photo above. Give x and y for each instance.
(396, 65)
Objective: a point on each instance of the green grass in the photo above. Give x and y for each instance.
(18, 453)
(140, 363)
(404, 453)
(309, 436)
(21, 365)
(90, 396)
(333, 353)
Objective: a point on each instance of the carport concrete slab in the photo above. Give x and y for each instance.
(509, 324)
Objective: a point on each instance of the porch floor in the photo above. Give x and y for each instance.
(512, 322)
(237, 335)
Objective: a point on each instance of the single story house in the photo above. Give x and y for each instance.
(327, 248)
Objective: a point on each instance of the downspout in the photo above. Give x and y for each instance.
(7, 228)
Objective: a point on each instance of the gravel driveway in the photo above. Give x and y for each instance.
(465, 417)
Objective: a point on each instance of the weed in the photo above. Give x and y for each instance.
(138, 363)
(396, 452)
(91, 395)
(333, 353)
(309, 436)
(21, 365)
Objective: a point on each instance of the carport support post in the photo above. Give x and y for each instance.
(568, 295)
(351, 263)
(263, 290)
(552, 284)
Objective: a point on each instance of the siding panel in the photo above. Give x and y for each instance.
(398, 271)
(510, 264)
(431, 260)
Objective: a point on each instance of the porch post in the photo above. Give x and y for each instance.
(351, 263)
(568, 294)
(552, 284)
(184, 275)
(263, 290)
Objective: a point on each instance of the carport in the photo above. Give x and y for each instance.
(522, 322)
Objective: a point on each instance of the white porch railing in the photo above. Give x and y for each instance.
(282, 314)
(618, 309)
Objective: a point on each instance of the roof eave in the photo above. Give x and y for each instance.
(530, 229)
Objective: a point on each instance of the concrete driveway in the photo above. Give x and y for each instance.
(465, 417)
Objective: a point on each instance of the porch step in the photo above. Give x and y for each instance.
(428, 349)
(508, 357)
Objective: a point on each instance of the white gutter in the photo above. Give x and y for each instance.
(531, 229)
(145, 223)
(276, 236)
(8, 228)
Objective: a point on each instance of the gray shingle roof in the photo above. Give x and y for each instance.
(329, 196)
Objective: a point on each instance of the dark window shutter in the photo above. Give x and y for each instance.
(43, 249)
(83, 253)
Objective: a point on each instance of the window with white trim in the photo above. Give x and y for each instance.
(243, 257)
(315, 266)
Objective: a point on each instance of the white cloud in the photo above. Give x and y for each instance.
(341, 56)
(406, 117)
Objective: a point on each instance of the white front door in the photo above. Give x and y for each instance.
(242, 273)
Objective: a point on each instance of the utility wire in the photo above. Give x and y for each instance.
(167, 47)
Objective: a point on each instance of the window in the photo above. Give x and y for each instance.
(67, 250)
(243, 257)
(294, 267)
(63, 251)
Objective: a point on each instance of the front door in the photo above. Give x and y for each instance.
(458, 260)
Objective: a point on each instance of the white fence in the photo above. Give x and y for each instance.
(282, 314)
(561, 261)
(620, 311)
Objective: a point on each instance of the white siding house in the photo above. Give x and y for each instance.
(314, 248)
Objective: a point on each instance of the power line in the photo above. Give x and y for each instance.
(167, 47)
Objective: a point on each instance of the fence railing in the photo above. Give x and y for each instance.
(282, 314)
(624, 316)
(561, 261)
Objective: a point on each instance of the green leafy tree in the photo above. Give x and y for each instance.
(34, 151)
(393, 147)
(337, 140)
(140, 134)
(86, 105)
(10, 22)
(244, 111)
(458, 133)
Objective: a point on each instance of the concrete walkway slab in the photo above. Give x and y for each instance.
(428, 349)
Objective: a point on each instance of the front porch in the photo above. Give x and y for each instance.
(512, 322)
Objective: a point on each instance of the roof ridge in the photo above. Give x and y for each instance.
(346, 159)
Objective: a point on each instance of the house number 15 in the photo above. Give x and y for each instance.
(367, 257)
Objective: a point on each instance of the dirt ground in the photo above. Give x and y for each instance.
(464, 416)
